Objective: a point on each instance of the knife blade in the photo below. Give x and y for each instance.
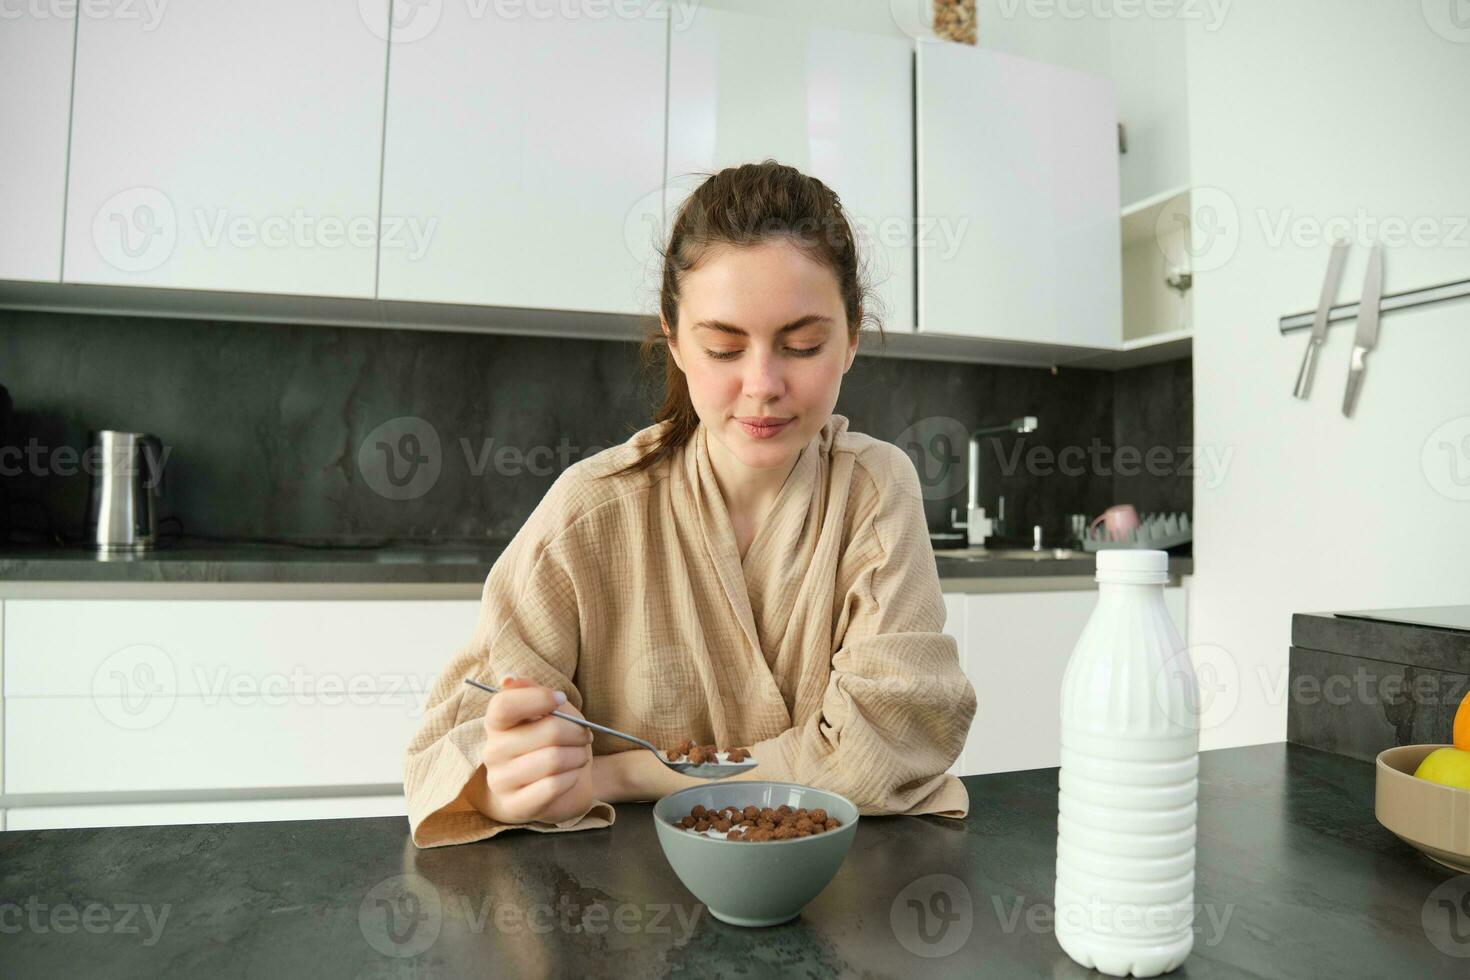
(1319, 323)
(1367, 336)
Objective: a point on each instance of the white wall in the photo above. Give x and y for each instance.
(1310, 109)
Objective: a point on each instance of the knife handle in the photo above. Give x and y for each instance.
(1309, 367)
(1354, 380)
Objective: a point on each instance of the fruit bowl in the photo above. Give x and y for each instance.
(1433, 817)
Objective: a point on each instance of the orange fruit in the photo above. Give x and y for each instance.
(1462, 724)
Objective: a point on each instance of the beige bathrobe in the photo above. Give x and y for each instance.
(821, 650)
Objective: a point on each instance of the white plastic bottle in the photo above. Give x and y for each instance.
(1129, 779)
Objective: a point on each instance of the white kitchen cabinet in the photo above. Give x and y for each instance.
(251, 743)
(534, 144)
(35, 96)
(1148, 64)
(954, 625)
(216, 697)
(1014, 649)
(229, 146)
(1018, 178)
(825, 89)
(205, 811)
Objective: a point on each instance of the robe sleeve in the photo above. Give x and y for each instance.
(527, 627)
(897, 706)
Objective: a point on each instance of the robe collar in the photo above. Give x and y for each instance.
(761, 587)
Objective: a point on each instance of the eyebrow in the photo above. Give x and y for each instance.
(794, 325)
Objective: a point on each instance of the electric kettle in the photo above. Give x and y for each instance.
(125, 489)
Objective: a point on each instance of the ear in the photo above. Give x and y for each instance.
(852, 351)
(673, 344)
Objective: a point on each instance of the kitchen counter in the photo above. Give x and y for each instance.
(441, 571)
(1364, 681)
(1294, 878)
(198, 561)
(1397, 639)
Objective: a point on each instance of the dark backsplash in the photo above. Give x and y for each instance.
(267, 426)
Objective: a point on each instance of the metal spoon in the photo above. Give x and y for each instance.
(703, 770)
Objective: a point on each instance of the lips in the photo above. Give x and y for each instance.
(763, 426)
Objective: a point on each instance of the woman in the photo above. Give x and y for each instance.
(746, 571)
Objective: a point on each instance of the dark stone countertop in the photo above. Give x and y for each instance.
(199, 561)
(1352, 634)
(1294, 878)
(1357, 685)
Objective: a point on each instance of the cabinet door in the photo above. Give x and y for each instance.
(531, 140)
(204, 811)
(1016, 650)
(218, 695)
(954, 625)
(1148, 55)
(1018, 186)
(1176, 600)
(35, 98)
(229, 146)
(826, 90)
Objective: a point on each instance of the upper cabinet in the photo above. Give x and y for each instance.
(1153, 106)
(1018, 201)
(526, 143)
(35, 89)
(825, 88)
(219, 145)
(449, 157)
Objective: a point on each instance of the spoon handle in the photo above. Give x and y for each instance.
(576, 721)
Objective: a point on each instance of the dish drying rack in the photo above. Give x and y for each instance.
(1156, 531)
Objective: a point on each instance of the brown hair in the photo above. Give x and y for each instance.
(742, 206)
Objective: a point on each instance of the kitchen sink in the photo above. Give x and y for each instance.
(1008, 554)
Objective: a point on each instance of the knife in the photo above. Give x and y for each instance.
(1319, 324)
(1367, 336)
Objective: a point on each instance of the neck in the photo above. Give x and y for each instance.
(747, 490)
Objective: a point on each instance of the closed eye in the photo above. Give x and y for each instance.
(798, 351)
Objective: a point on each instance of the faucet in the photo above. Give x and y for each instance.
(977, 526)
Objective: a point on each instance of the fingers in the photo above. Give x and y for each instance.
(522, 771)
(522, 702)
(528, 736)
(525, 726)
(538, 797)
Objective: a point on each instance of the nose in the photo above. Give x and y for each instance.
(764, 377)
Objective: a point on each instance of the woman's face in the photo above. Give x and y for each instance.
(741, 365)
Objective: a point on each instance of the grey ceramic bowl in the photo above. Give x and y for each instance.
(749, 883)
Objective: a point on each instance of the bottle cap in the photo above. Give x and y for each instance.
(1136, 566)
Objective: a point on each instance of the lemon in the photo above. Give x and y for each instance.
(1449, 766)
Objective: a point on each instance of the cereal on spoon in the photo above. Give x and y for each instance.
(694, 754)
